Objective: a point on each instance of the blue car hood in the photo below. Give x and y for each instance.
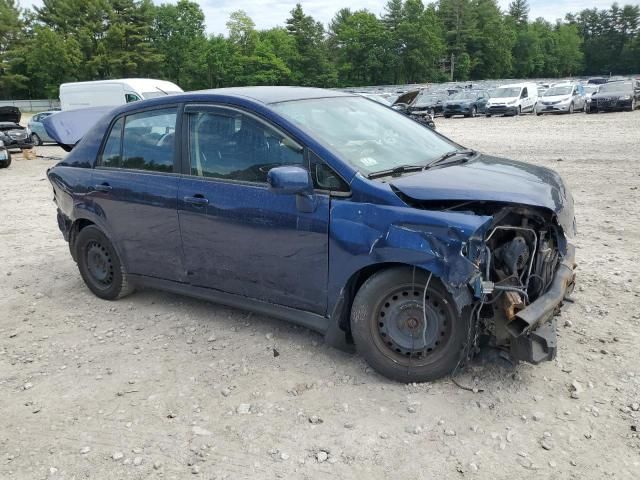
(493, 179)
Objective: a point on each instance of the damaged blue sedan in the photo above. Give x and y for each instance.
(325, 209)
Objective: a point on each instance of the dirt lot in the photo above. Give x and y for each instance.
(161, 386)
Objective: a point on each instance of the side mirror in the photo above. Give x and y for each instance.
(289, 180)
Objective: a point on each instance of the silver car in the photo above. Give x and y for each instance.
(38, 133)
(562, 98)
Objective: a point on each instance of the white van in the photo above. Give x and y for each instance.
(512, 99)
(112, 92)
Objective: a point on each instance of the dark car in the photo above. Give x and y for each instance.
(468, 103)
(615, 96)
(13, 135)
(5, 156)
(325, 209)
(430, 101)
(409, 104)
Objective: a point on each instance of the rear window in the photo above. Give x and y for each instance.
(142, 141)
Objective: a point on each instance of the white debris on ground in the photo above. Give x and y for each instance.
(162, 386)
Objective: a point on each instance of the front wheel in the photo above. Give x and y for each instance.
(100, 265)
(474, 112)
(389, 329)
(36, 140)
(571, 108)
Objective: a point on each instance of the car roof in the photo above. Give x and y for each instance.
(268, 95)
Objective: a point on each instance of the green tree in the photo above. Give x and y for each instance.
(242, 32)
(128, 40)
(311, 65)
(87, 21)
(361, 48)
(50, 59)
(178, 33)
(11, 26)
(519, 12)
(423, 47)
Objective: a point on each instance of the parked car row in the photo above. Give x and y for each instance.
(425, 103)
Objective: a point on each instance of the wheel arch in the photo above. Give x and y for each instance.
(341, 317)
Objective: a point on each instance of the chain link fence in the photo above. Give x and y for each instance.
(33, 106)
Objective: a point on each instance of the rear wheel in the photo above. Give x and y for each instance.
(100, 266)
(633, 105)
(389, 329)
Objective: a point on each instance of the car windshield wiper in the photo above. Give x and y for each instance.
(465, 154)
(396, 171)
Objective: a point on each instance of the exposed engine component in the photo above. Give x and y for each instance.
(513, 256)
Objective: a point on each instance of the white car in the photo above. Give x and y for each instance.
(512, 99)
(562, 98)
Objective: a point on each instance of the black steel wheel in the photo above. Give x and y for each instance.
(99, 265)
(389, 329)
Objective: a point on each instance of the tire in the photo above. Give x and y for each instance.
(432, 112)
(36, 140)
(474, 112)
(488, 115)
(100, 266)
(7, 162)
(571, 108)
(447, 116)
(387, 326)
(519, 111)
(633, 105)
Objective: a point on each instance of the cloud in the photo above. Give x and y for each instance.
(272, 13)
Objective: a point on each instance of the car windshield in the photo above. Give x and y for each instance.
(426, 99)
(506, 92)
(564, 90)
(464, 96)
(365, 134)
(615, 87)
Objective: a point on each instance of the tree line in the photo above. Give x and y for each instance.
(410, 42)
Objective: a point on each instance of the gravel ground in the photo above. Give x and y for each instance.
(162, 386)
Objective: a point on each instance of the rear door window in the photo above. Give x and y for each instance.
(142, 141)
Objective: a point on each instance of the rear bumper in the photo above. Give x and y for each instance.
(533, 330)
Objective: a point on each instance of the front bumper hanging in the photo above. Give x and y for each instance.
(533, 330)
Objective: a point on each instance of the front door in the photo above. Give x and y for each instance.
(135, 192)
(238, 236)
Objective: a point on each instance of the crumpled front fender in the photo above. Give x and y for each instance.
(442, 242)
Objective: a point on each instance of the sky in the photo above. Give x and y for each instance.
(271, 13)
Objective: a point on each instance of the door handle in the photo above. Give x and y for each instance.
(197, 200)
(103, 187)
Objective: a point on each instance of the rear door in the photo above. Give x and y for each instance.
(135, 188)
(238, 236)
